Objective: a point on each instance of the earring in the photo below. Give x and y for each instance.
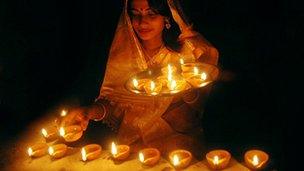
(168, 25)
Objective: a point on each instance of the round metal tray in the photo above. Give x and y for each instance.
(184, 75)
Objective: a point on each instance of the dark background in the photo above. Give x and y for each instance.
(53, 53)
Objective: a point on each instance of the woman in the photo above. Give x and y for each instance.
(150, 33)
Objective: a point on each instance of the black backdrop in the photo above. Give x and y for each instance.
(52, 52)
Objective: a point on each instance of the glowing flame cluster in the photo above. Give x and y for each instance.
(216, 160)
(175, 160)
(255, 160)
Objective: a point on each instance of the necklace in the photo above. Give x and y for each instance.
(152, 53)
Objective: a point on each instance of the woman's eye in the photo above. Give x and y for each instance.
(152, 15)
(135, 16)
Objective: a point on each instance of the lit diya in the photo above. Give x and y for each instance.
(199, 80)
(138, 84)
(62, 115)
(57, 151)
(180, 158)
(90, 152)
(37, 150)
(169, 69)
(120, 152)
(50, 133)
(149, 156)
(71, 133)
(256, 159)
(218, 159)
(153, 87)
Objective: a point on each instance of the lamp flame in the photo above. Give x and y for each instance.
(203, 76)
(44, 132)
(30, 151)
(51, 150)
(152, 85)
(141, 157)
(83, 154)
(114, 149)
(172, 85)
(175, 160)
(63, 113)
(61, 131)
(181, 60)
(195, 70)
(135, 83)
(255, 160)
(216, 160)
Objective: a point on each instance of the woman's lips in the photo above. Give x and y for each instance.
(144, 31)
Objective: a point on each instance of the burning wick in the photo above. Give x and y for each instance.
(114, 149)
(44, 132)
(180, 158)
(141, 157)
(255, 160)
(37, 150)
(149, 156)
(152, 86)
(203, 76)
(49, 133)
(172, 85)
(90, 152)
(181, 60)
(216, 160)
(135, 83)
(71, 133)
(57, 151)
(61, 131)
(175, 160)
(120, 152)
(63, 113)
(195, 70)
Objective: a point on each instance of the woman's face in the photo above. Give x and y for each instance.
(147, 23)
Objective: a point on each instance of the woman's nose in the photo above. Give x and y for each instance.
(143, 19)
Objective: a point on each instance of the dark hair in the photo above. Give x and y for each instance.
(170, 36)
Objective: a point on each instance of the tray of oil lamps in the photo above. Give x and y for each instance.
(172, 79)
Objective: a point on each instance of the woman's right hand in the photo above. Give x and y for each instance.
(76, 117)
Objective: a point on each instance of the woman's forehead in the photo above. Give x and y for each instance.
(140, 5)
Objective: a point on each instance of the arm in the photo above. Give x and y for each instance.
(191, 40)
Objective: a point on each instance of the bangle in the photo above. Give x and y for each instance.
(100, 115)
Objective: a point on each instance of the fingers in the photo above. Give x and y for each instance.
(84, 124)
(74, 117)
